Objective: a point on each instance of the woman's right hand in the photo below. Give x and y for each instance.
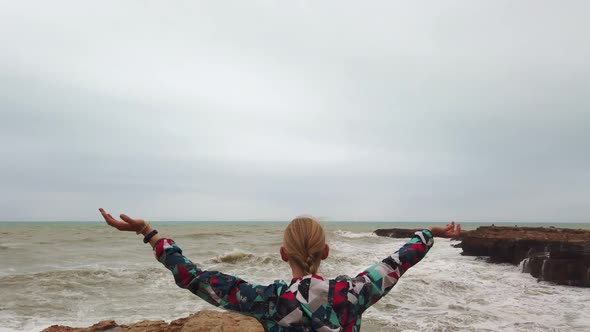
(128, 224)
(446, 232)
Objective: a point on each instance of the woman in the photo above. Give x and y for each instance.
(309, 302)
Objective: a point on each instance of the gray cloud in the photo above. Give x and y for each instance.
(263, 111)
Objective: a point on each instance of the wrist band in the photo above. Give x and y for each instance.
(147, 223)
(148, 237)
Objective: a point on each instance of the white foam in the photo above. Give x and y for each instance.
(109, 279)
(354, 235)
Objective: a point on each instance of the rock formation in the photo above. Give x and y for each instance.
(203, 321)
(396, 232)
(560, 255)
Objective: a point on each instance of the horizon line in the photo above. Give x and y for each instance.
(286, 221)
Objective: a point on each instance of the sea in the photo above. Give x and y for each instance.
(78, 273)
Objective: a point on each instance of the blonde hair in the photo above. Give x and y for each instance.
(304, 241)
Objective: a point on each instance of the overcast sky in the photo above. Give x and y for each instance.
(265, 110)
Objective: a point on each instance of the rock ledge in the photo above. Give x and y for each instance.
(203, 321)
(560, 255)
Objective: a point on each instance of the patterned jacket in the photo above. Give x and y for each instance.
(311, 303)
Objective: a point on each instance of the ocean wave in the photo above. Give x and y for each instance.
(72, 278)
(205, 235)
(85, 240)
(233, 257)
(12, 245)
(353, 235)
(238, 256)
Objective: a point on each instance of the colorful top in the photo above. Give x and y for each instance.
(311, 303)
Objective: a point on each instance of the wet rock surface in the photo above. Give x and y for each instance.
(203, 321)
(559, 255)
(396, 232)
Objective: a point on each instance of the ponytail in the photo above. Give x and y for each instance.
(304, 242)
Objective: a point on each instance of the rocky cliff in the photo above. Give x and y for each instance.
(203, 321)
(560, 255)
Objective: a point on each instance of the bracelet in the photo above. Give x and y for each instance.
(148, 237)
(147, 223)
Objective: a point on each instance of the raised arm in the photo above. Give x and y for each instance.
(219, 289)
(377, 280)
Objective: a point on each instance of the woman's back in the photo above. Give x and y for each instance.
(306, 304)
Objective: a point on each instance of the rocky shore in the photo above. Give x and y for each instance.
(559, 255)
(396, 232)
(203, 321)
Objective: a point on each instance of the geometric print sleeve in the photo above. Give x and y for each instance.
(377, 280)
(217, 288)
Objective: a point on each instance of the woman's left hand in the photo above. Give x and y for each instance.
(128, 224)
(447, 232)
